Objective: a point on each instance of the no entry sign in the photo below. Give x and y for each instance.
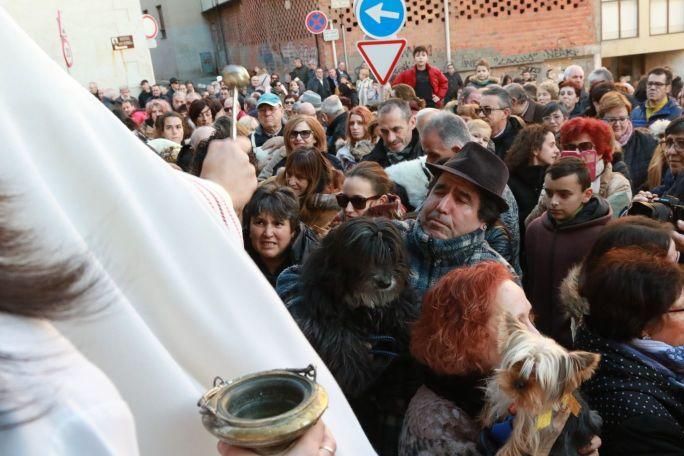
(316, 22)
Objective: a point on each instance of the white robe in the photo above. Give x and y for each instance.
(186, 303)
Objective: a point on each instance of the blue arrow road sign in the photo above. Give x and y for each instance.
(380, 18)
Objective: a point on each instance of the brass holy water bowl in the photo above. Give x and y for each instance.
(266, 411)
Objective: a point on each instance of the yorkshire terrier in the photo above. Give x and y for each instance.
(538, 380)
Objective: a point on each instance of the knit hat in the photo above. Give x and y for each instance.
(311, 97)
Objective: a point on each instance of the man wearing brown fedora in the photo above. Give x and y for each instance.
(449, 232)
(442, 137)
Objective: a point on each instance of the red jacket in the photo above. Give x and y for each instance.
(439, 82)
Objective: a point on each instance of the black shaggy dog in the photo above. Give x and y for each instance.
(352, 300)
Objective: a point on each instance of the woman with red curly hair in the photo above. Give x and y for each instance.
(455, 340)
(593, 140)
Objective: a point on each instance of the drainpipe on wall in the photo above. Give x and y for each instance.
(447, 32)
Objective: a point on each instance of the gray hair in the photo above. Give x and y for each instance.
(516, 92)
(600, 74)
(467, 91)
(423, 117)
(450, 128)
(501, 94)
(568, 70)
(396, 103)
(332, 105)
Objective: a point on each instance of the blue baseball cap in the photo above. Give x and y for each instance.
(269, 99)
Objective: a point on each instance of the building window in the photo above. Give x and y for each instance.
(619, 19)
(162, 27)
(667, 16)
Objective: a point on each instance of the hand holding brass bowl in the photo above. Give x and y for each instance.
(266, 411)
(235, 76)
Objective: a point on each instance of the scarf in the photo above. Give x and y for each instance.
(667, 355)
(627, 134)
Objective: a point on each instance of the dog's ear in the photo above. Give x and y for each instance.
(583, 365)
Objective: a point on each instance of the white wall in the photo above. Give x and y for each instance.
(89, 25)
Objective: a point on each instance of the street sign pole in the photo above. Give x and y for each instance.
(334, 48)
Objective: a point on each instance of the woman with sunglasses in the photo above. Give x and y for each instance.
(367, 192)
(274, 237)
(288, 104)
(592, 140)
(299, 131)
(636, 323)
(313, 179)
(358, 143)
(637, 147)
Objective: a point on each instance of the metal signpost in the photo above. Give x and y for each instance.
(381, 20)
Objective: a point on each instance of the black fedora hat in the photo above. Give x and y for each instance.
(481, 168)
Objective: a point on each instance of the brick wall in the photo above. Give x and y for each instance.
(543, 36)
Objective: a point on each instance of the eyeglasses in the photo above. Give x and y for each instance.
(357, 202)
(677, 143)
(487, 110)
(289, 102)
(567, 93)
(583, 146)
(655, 84)
(304, 134)
(614, 120)
(556, 117)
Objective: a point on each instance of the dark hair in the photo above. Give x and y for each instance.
(633, 230)
(278, 201)
(528, 140)
(629, 288)
(552, 107)
(196, 107)
(214, 105)
(373, 173)
(203, 148)
(482, 62)
(596, 92)
(310, 163)
(418, 49)
(676, 127)
(640, 89)
(659, 71)
(564, 84)
(159, 124)
(489, 211)
(571, 165)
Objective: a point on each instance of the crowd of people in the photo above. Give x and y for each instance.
(400, 224)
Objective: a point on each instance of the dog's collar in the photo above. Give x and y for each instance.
(550, 424)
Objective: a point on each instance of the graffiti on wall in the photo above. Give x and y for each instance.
(468, 61)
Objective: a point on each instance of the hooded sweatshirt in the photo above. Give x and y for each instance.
(552, 249)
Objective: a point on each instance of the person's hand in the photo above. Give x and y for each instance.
(317, 441)
(644, 197)
(227, 165)
(678, 237)
(274, 143)
(435, 98)
(592, 448)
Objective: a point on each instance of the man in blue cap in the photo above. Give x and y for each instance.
(268, 136)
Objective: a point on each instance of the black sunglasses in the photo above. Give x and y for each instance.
(581, 146)
(357, 202)
(305, 134)
(487, 110)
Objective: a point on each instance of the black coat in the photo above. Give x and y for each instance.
(637, 153)
(455, 83)
(321, 88)
(379, 153)
(533, 115)
(336, 130)
(641, 406)
(504, 141)
(526, 183)
(302, 73)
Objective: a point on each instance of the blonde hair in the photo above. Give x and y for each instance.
(550, 87)
(479, 125)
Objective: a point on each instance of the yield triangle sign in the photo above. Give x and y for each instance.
(382, 56)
